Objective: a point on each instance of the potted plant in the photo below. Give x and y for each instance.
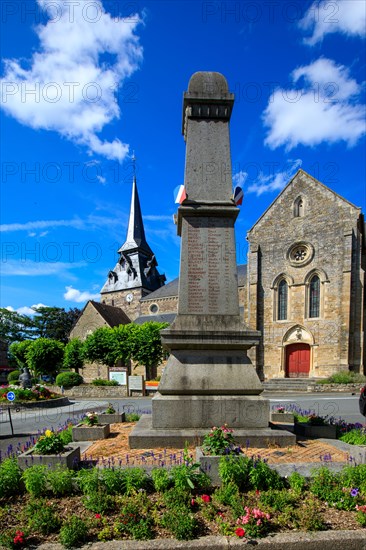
(111, 416)
(315, 426)
(217, 443)
(281, 414)
(51, 451)
(90, 429)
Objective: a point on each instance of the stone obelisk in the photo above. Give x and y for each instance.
(209, 379)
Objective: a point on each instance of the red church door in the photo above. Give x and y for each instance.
(297, 361)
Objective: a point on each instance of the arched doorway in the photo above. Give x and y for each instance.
(297, 360)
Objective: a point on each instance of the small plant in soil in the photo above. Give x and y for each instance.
(220, 441)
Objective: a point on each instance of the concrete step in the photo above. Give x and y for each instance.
(289, 384)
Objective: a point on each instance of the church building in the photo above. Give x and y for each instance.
(302, 288)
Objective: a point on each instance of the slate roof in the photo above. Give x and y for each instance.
(157, 318)
(171, 289)
(114, 316)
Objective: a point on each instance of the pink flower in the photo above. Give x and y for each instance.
(239, 532)
(193, 502)
(259, 522)
(206, 498)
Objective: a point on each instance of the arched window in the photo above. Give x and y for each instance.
(282, 300)
(299, 207)
(314, 297)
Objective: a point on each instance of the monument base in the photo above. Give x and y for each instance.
(205, 411)
(144, 436)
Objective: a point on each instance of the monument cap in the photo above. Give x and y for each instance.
(208, 84)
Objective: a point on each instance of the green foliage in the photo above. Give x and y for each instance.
(66, 435)
(14, 327)
(49, 443)
(146, 348)
(69, 379)
(278, 500)
(10, 478)
(60, 481)
(135, 518)
(134, 480)
(354, 476)
(227, 494)
(42, 517)
(329, 486)
(100, 346)
(180, 522)
(262, 477)
(35, 480)
(235, 470)
(357, 436)
(113, 480)
(54, 323)
(110, 409)
(98, 502)
(73, 532)
(297, 482)
(177, 497)
(188, 475)
(161, 479)
(132, 417)
(89, 481)
(45, 356)
(13, 376)
(220, 441)
(308, 517)
(345, 377)
(102, 382)
(74, 356)
(19, 350)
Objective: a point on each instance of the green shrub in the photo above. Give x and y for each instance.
(188, 476)
(42, 517)
(177, 498)
(262, 477)
(297, 482)
(98, 502)
(180, 522)
(278, 500)
(308, 517)
(345, 377)
(35, 480)
(132, 417)
(134, 480)
(61, 481)
(226, 494)
(73, 532)
(136, 520)
(10, 478)
(357, 436)
(235, 469)
(102, 382)
(66, 435)
(89, 481)
(69, 379)
(13, 376)
(161, 479)
(114, 480)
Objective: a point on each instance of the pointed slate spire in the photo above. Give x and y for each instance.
(135, 232)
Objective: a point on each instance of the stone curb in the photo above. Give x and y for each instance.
(326, 540)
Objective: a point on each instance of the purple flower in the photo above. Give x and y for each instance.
(354, 492)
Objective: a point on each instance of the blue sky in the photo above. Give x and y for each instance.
(84, 83)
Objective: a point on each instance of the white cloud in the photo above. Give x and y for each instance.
(92, 221)
(240, 178)
(267, 183)
(324, 109)
(343, 16)
(25, 310)
(75, 295)
(32, 268)
(66, 86)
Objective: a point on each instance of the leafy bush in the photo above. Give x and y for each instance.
(308, 517)
(69, 379)
(180, 522)
(220, 441)
(113, 480)
(10, 478)
(66, 435)
(98, 502)
(278, 500)
(226, 494)
(161, 479)
(102, 382)
(61, 481)
(235, 470)
(73, 532)
(44, 356)
(188, 476)
(345, 377)
(132, 417)
(35, 480)
(297, 482)
(42, 517)
(89, 481)
(262, 477)
(134, 480)
(356, 436)
(13, 376)
(136, 518)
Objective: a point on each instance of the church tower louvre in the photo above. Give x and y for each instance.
(135, 274)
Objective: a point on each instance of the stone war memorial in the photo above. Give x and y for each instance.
(209, 380)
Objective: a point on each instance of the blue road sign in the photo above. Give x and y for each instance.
(10, 396)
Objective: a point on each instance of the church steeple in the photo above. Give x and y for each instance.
(136, 231)
(136, 267)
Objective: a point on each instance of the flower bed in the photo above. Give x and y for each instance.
(69, 458)
(37, 393)
(82, 432)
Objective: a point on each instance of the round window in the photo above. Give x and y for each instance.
(154, 308)
(300, 254)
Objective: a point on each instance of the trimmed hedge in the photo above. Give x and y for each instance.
(102, 382)
(69, 379)
(13, 376)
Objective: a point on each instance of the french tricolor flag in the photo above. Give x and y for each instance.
(180, 194)
(238, 195)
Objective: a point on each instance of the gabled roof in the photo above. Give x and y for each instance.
(298, 173)
(112, 315)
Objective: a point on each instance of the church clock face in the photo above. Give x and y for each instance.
(129, 297)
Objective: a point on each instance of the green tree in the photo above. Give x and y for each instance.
(19, 350)
(73, 355)
(147, 348)
(99, 347)
(45, 356)
(14, 327)
(54, 322)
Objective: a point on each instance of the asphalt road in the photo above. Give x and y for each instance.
(28, 422)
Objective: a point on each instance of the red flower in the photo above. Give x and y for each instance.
(19, 538)
(193, 502)
(239, 532)
(206, 498)
(98, 516)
